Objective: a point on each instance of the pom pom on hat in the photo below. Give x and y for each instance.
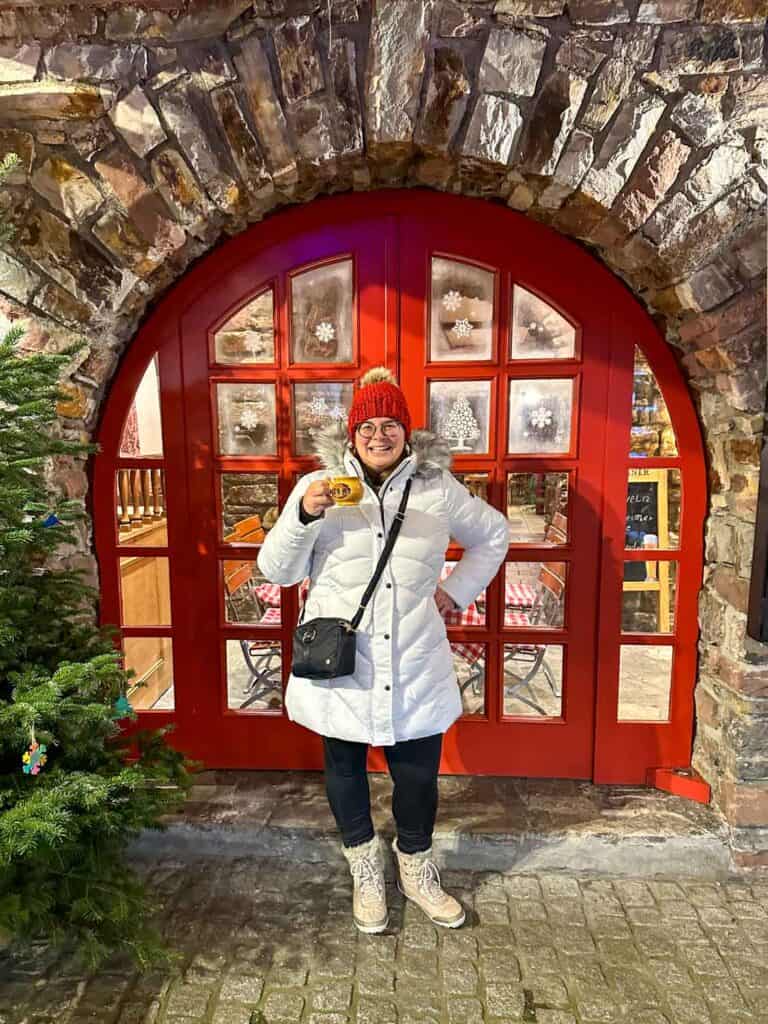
(378, 395)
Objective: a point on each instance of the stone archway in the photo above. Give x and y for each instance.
(146, 134)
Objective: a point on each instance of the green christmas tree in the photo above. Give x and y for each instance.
(73, 789)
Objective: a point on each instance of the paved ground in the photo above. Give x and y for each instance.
(272, 941)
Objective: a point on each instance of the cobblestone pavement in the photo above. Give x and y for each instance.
(268, 942)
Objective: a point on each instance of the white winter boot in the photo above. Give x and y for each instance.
(419, 881)
(369, 902)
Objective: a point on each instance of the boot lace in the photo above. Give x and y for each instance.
(428, 879)
(368, 879)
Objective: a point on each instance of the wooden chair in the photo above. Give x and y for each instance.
(546, 610)
(261, 658)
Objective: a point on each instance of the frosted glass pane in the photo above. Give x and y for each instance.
(247, 423)
(538, 330)
(461, 316)
(540, 416)
(143, 432)
(321, 314)
(459, 411)
(652, 430)
(248, 336)
(316, 406)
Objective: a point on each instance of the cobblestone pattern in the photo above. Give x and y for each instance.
(268, 944)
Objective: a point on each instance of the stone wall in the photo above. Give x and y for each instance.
(148, 132)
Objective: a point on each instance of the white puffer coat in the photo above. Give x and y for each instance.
(404, 685)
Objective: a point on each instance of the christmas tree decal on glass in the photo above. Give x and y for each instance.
(461, 426)
(458, 412)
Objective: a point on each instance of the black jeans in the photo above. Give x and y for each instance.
(413, 765)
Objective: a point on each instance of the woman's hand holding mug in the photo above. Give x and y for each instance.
(317, 498)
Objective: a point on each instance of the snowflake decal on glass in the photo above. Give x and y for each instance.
(325, 331)
(452, 300)
(337, 412)
(248, 419)
(318, 405)
(540, 418)
(462, 328)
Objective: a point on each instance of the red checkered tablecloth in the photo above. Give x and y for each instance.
(269, 593)
(271, 617)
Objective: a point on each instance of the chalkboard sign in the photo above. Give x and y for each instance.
(645, 518)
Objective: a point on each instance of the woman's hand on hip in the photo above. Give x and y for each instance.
(317, 498)
(444, 602)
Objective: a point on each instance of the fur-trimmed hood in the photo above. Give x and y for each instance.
(431, 454)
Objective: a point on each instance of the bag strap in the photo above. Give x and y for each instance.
(391, 538)
(383, 557)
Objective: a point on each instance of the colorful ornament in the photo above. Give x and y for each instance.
(34, 758)
(325, 331)
(52, 520)
(122, 707)
(452, 300)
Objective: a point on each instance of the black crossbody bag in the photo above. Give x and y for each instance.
(326, 648)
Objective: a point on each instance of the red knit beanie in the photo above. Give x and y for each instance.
(378, 395)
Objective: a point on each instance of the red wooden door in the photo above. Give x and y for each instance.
(533, 361)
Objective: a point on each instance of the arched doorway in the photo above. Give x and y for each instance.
(564, 408)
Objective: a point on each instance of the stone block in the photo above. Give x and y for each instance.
(666, 11)
(178, 187)
(49, 100)
(576, 159)
(132, 22)
(493, 130)
(210, 63)
(711, 286)
(699, 116)
(651, 180)
(551, 121)
(583, 52)
(612, 85)
(146, 210)
(512, 62)
(136, 120)
(18, 63)
(750, 252)
(748, 101)
(529, 8)
(734, 11)
(265, 109)
(705, 50)
(457, 21)
(621, 148)
(598, 12)
(65, 308)
(91, 62)
(717, 173)
(347, 115)
(185, 112)
(396, 59)
(16, 280)
(297, 58)
(118, 234)
(243, 145)
(66, 188)
(310, 120)
(446, 99)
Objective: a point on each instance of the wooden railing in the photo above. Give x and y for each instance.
(140, 498)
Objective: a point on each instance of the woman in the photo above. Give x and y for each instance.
(403, 694)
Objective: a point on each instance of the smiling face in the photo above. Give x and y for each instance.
(379, 443)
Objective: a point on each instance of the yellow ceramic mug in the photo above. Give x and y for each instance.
(346, 490)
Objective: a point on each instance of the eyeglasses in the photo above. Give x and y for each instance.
(390, 429)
